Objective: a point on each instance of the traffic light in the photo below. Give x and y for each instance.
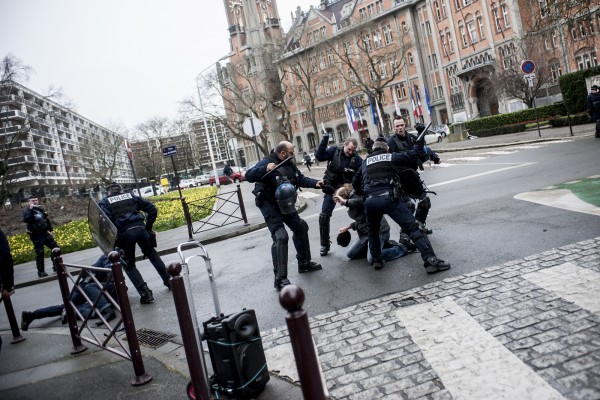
(237, 355)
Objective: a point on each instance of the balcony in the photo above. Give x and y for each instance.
(13, 114)
(40, 133)
(11, 129)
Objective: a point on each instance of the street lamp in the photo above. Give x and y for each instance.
(210, 149)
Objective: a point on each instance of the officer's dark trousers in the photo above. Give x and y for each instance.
(276, 220)
(139, 235)
(376, 207)
(39, 240)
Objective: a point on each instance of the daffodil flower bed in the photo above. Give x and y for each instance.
(75, 235)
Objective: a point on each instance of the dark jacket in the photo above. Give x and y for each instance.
(37, 220)
(6, 264)
(125, 217)
(356, 211)
(593, 105)
(340, 168)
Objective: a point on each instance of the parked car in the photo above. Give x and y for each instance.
(202, 179)
(236, 177)
(430, 136)
(443, 129)
(146, 191)
(187, 183)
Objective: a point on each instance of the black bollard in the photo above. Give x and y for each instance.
(186, 325)
(78, 347)
(12, 320)
(241, 202)
(292, 299)
(141, 377)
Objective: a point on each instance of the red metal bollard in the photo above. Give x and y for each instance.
(292, 299)
(12, 320)
(141, 377)
(190, 345)
(78, 347)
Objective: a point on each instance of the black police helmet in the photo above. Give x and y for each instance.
(595, 87)
(114, 188)
(343, 238)
(286, 196)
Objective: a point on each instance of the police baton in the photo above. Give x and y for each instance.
(277, 167)
(424, 131)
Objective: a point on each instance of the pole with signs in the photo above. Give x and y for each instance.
(130, 156)
(171, 151)
(528, 68)
(253, 126)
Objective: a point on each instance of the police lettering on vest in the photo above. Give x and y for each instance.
(379, 158)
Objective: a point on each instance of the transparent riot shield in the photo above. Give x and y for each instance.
(103, 231)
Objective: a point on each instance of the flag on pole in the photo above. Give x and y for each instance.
(348, 117)
(360, 118)
(379, 113)
(373, 112)
(353, 115)
(128, 149)
(396, 103)
(412, 100)
(427, 100)
(418, 97)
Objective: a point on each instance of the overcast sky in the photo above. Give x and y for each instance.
(120, 61)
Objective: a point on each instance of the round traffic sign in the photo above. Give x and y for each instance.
(252, 126)
(527, 66)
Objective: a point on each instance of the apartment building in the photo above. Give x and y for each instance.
(49, 149)
(439, 61)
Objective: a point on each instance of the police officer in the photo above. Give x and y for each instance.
(40, 231)
(593, 107)
(7, 279)
(277, 178)
(381, 187)
(124, 210)
(403, 141)
(342, 164)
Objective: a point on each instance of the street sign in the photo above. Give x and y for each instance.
(169, 151)
(529, 79)
(527, 66)
(252, 126)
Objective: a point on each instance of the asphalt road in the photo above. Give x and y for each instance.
(477, 223)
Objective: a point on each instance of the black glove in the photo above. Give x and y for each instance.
(420, 128)
(328, 189)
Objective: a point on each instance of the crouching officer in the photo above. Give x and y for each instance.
(277, 178)
(342, 165)
(382, 189)
(40, 231)
(124, 210)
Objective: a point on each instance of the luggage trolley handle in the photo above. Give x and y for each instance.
(211, 278)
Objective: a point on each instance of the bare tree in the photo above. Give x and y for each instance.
(99, 154)
(155, 133)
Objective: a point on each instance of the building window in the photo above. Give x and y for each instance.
(554, 38)
(496, 16)
(330, 57)
(404, 27)
(435, 60)
(463, 34)
(372, 74)
(443, 42)
(377, 41)
(387, 34)
(586, 60)
(472, 31)
(437, 10)
(505, 15)
(409, 56)
(363, 13)
(555, 70)
(466, 2)
(348, 50)
(379, 5)
(322, 60)
(457, 4)
(383, 69)
(371, 10)
(428, 28)
(480, 25)
(543, 5)
(450, 42)
(444, 13)
(367, 42)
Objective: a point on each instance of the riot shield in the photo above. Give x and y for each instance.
(103, 231)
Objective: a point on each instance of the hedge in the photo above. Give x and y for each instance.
(518, 117)
(574, 90)
(503, 130)
(577, 119)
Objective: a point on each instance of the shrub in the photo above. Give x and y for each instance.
(518, 117)
(574, 90)
(503, 130)
(577, 119)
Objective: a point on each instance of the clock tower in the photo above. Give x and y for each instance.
(255, 37)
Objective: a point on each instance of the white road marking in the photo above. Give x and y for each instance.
(309, 195)
(499, 152)
(578, 285)
(471, 363)
(559, 198)
(480, 174)
(467, 158)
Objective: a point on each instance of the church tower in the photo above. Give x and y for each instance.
(255, 37)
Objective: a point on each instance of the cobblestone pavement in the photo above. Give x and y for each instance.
(527, 329)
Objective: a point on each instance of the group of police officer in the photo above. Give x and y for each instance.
(378, 180)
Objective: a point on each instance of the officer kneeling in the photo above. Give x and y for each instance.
(277, 179)
(382, 190)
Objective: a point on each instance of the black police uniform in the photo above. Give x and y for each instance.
(124, 210)
(593, 107)
(6, 265)
(398, 144)
(39, 228)
(267, 203)
(381, 187)
(340, 170)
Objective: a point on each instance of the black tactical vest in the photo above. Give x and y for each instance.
(380, 173)
(402, 145)
(335, 175)
(121, 205)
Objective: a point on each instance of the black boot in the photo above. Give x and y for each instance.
(308, 266)
(378, 263)
(40, 268)
(324, 234)
(404, 240)
(26, 319)
(146, 296)
(434, 264)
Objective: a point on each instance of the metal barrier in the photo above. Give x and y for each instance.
(12, 320)
(224, 214)
(121, 304)
(292, 299)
